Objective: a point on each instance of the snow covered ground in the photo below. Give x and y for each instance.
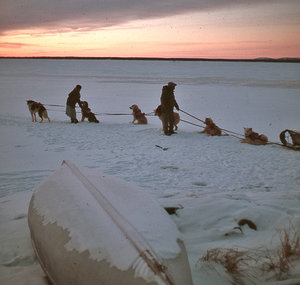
(217, 180)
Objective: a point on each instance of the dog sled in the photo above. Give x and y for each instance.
(290, 139)
(90, 228)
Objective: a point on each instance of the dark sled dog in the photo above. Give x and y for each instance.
(87, 113)
(37, 107)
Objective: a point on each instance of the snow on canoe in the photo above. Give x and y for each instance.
(91, 228)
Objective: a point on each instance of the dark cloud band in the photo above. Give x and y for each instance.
(93, 14)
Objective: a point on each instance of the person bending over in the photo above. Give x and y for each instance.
(73, 98)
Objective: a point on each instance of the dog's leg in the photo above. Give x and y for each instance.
(42, 118)
(46, 116)
(165, 126)
(34, 114)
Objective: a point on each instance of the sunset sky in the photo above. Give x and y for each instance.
(150, 28)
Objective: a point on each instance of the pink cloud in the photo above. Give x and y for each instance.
(14, 45)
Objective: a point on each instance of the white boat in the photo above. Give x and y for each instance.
(90, 228)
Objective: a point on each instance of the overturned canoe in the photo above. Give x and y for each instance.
(91, 228)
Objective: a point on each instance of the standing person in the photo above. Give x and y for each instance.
(168, 103)
(73, 98)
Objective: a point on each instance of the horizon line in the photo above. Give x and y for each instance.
(259, 59)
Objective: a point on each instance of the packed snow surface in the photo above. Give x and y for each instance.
(217, 181)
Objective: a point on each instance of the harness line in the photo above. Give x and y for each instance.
(191, 123)
(231, 133)
(226, 131)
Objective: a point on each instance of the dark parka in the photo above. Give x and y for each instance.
(168, 103)
(74, 97)
(167, 99)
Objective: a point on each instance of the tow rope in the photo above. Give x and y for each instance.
(228, 132)
(98, 114)
(234, 134)
(191, 123)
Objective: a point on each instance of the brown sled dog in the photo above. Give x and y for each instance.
(138, 115)
(211, 128)
(158, 112)
(253, 137)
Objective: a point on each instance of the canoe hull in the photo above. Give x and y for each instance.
(78, 265)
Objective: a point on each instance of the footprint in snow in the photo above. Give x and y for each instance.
(20, 261)
(21, 216)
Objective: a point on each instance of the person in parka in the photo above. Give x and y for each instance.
(73, 98)
(168, 103)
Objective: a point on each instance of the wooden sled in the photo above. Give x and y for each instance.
(287, 135)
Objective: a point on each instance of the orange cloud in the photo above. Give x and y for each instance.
(228, 33)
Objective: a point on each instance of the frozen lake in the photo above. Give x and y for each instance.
(217, 180)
